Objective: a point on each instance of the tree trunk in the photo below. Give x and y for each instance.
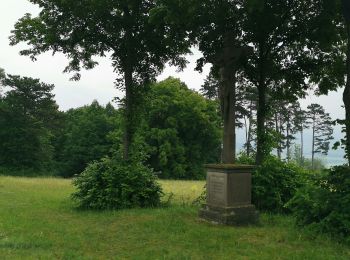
(249, 140)
(250, 119)
(302, 146)
(288, 141)
(313, 146)
(261, 110)
(228, 99)
(261, 118)
(128, 113)
(246, 133)
(346, 98)
(279, 154)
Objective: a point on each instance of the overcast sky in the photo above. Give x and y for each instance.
(94, 84)
(98, 83)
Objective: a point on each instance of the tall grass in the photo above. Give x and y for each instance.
(39, 221)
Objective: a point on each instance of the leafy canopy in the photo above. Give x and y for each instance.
(181, 130)
(87, 28)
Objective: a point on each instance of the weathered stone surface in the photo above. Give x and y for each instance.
(229, 195)
(235, 216)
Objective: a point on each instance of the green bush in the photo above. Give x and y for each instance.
(112, 184)
(245, 159)
(275, 183)
(324, 204)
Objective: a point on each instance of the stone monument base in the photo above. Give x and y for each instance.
(229, 195)
(232, 216)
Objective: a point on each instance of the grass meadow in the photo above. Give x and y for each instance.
(39, 221)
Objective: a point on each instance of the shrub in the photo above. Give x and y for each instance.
(245, 159)
(112, 184)
(324, 204)
(275, 183)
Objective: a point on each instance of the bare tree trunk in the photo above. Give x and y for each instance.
(261, 131)
(261, 110)
(249, 145)
(279, 153)
(249, 139)
(246, 133)
(313, 146)
(128, 113)
(302, 146)
(288, 141)
(346, 98)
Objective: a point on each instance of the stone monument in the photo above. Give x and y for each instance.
(229, 195)
(229, 185)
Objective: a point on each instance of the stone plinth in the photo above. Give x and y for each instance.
(229, 195)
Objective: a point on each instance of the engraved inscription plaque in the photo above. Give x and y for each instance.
(216, 189)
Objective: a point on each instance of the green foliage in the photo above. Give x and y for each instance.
(317, 166)
(29, 119)
(244, 159)
(322, 128)
(324, 204)
(85, 137)
(306, 163)
(181, 130)
(275, 183)
(117, 184)
(123, 30)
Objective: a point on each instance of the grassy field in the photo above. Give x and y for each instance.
(39, 221)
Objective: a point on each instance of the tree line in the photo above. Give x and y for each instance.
(178, 131)
(285, 121)
(280, 49)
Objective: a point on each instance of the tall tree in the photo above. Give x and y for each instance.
(244, 106)
(322, 130)
(122, 28)
(27, 115)
(286, 124)
(300, 124)
(346, 93)
(329, 37)
(214, 28)
(181, 130)
(85, 137)
(280, 64)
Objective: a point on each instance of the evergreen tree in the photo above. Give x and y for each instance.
(27, 118)
(280, 64)
(322, 130)
(300, 124)
(245, 105)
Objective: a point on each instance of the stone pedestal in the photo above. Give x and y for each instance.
(229, 195)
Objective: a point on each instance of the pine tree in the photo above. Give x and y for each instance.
(300, 124)
(322, 130)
